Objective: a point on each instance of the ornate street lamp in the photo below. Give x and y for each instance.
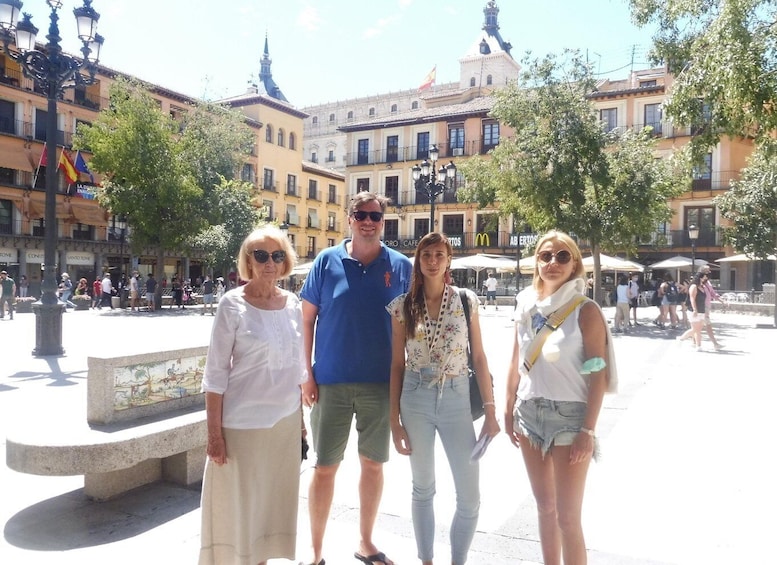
(426, 182)
(53, 71)
(693, 235)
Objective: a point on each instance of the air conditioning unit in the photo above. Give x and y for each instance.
(458, 151)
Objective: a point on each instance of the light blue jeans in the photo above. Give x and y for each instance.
(445, 411)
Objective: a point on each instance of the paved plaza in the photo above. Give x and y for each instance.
(684, 479)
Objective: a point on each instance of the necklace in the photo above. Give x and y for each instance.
(433, 327)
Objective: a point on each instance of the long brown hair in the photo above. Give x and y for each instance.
(414, 301)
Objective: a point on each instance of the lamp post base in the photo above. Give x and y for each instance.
(48, 329)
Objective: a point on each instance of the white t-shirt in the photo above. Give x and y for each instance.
(491, 284)
(134, 284)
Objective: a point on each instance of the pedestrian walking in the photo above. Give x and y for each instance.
(7, 294)
(344, 300)
(253, 373)
(24, 286)
(134, 292)
(207, 296)
(151, 292)
(106, 292)
(97, 290)
(562, 364)
(430, 393)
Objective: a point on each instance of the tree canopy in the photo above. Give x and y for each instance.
(161, 174)
(724, 58)
(560, 169)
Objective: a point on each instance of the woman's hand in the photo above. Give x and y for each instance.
(490, 424)
(217, 449)
(309, 392)
(401, 441)
(510, 426)
(582, 448)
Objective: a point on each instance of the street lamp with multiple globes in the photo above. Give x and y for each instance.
(53, 71)
(693, 235)
(426, 182)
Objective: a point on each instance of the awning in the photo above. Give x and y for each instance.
(90, 215)
(18, 159)
(36, 210)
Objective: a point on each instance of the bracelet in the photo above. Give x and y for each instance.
(588, 431)
(489, 404)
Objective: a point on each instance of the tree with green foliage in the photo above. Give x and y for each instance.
(723, 54)
(215, 143)
(221, 242)
(160, 174)
(561, 170)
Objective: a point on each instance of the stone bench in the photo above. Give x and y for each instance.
(145, 422)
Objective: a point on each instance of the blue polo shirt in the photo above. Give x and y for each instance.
(353, 329)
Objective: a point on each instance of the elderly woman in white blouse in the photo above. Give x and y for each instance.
(252, 384)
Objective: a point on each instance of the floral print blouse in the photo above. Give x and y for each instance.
(442, 342)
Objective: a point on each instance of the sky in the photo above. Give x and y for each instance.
(332, 50)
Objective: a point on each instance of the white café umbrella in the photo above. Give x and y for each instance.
(742, 257)
(483, 261)
(678, 262)
(608, 263)
(302, 268)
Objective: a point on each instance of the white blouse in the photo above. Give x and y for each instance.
(256, 361)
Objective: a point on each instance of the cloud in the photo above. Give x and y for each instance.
(309, 18)
(380, 26)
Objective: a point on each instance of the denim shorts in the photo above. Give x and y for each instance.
(549, 422)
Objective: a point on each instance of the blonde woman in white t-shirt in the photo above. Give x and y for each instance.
(553, 404)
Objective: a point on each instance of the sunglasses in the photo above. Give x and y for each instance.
(361, 215)
(562, 257)
(262, 256)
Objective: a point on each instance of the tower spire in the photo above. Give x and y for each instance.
(265, 74)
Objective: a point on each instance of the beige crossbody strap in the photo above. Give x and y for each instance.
(551, 324)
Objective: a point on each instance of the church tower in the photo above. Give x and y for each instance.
(266, 83)
(488, 63)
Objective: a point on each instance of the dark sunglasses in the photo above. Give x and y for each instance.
(562, 257)
(262, 256)
(361, 215)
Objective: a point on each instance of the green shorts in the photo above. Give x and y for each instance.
(332, 415)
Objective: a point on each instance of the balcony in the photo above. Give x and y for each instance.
(411, 154)
(419, 198)
(719, 180)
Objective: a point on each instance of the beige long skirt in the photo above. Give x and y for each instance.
(249, 505)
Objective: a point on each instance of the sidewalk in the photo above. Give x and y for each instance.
(684, 479)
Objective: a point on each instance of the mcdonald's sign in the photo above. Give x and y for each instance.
(482, 239)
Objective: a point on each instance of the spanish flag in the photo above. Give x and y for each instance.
(429, 80)
(67, 166)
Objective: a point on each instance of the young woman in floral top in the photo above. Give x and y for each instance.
(429, 393)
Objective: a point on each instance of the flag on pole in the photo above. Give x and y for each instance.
(67, 166)
(81, 167)
(41, 163)
(429, 80)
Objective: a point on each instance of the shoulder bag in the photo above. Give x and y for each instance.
(475, 398)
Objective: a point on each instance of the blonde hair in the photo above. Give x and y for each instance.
(569, 243)
(245, 260)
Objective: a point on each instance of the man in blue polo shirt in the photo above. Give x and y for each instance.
(344, 300)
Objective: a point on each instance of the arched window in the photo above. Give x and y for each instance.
(372, 111)
(268, 134)
(315, 120)
(472, 81)
(350, 114)
(489, 80)
(292, 142)
(414, 106)
(280, 138)
(393, 108)
(331, 118)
